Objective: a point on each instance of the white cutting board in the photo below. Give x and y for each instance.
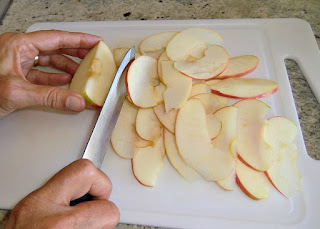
(35, 144)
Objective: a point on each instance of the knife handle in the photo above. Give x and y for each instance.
(86, 197)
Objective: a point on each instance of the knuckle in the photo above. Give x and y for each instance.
(114, 214)
(52, 98)
(87, 166)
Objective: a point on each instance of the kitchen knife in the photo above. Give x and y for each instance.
(101, 134)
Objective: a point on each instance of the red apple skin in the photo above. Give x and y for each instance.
(269, 178)
(236, 97)
(136, 177)
(215, 76)
(245, 191)
(127, 87)
(244, 162)
(237, 75)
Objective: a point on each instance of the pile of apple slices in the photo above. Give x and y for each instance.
(178, 104)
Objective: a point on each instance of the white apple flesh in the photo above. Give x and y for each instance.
(168, 119)
(156, 42)
(147, 125)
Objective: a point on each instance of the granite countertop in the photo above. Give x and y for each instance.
(24, 13)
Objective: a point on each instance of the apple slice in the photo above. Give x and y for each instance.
(200, 88)
(214, 126)
(141, 82)
(229, 183)
(94, 75)
(162, 57)
(245, 88)
(191, 43)
(194, 143)
(125, 140)
(147, 125)
(118, 54)
(175, 159)
(211, 102)
(240, 66)
(284, 174)
(279, 131)
(234, 147)
(253, 183)
(147, 163)
(178, 86)
(212, 82)
(167, 119)
(156, 42)
(251, 146)
(213, 63)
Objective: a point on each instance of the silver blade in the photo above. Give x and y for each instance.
(101, 134)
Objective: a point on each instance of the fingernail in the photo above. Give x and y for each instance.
(75, 103)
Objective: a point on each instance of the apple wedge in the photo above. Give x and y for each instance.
(252, 148)
(167, 119)
(142, 82)
(253, 183)
(194, 143)
(175, 159)
(94, 75)
(147, 163)
(191, 43)
(125, 140)
(156, 42)
(147, 125)
(213, 63)
(214, 126)
(240, 66)
(245, 88)
(178, 86)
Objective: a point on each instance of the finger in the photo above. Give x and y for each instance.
(54, 39)
(96, 214)
(59, 62)
(77, 179)
(53, 97)
(81, 53)
(44, 78)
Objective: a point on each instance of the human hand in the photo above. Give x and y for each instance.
(48, 207)
(22, 86)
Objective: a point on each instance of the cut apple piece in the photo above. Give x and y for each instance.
(175, 159)
(156, 55)
(212, 82)
(94, 75)
(168, 119)
(253, 183)
(156, 42)
(229, 183)
(234, 147)
(213, 63)
(147, 125)
(162, 57)
(178, 86)
(210, 101)
(280, 131)
(240, 66)
(141, 82)
(284, 174)
(147, 163)
(245, 88)
(191, 43)
(200, 88)
(251, 145)
(194, 143)
(118, 54)
(125, 140)
(214, 126)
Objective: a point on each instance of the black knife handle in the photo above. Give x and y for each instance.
(86, 197)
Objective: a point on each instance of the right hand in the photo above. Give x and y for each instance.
(48, 207)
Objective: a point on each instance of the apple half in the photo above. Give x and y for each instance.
(253, 183)
(142, 82)
(194, 143)
(191, 43)
(124, 139)
(167, 119)
(213, 63)
(175, 159)
(252, 148)
(94, 75)
(244, 88)
(178, 86)
(240, 66)
(147, 125)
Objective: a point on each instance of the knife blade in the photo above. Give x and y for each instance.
(100, 137)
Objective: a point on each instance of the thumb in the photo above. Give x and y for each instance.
(54, 97)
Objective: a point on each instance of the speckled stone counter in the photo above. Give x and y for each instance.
(24, 13)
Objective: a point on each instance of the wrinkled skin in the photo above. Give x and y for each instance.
(48, 207)
(22, 86)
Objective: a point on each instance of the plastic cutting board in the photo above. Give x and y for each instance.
(36, 143)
